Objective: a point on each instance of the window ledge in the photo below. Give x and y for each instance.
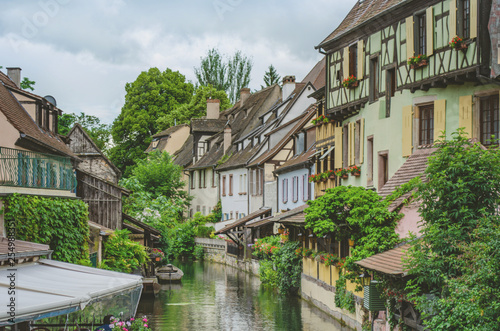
(242, 193)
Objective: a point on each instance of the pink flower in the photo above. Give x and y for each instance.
(145, 325)
(144, 319)
(132, 319)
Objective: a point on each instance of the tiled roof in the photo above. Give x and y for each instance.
(389, 262)
(317, 75)
(210, 158)
(184, 156)
(295, 215)
(240, 158)
(22, 121)
(361, 12)
(169, 131)
(207, 125)
(296, 161)
(243, 220)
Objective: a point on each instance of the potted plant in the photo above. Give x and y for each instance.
(418, 61)
(320, 120)
(330, 259)
(331, 174)
(458, 43)
(313, 179)
(355, 171)
(350, 82)
(342, 173)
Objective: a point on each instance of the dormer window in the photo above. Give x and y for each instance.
(299, 143)
(154, 143)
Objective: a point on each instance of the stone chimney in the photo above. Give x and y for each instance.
(288, 86)
(244, 94)
(227, 138)
(213, 109)
(15, 75)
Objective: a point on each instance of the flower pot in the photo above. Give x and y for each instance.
(345, 176)
(323, 179)
(462, 47)
(356, 174)
(353, 84)
(331, 176)
(420, 64)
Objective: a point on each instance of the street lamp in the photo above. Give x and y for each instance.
(365, 279)
(281, 229)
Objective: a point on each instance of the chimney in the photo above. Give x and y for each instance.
(213, 109)
(244, 94)
(288, 86)
(227, 138)
(15, 75)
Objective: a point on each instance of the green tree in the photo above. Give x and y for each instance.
(153, 94)
(195, 108)
(99, 132)
(26, 83)
(229, 74)
(455, 265)
(271, 77)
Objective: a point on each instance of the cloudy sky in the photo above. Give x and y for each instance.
(83, 52)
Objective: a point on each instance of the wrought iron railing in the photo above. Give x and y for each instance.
(35, 170)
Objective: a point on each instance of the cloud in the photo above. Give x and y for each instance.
(84, 52)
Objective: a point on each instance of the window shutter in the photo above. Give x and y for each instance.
(407, 130)
(410, 51)
(465, 114)
(439, 118)
(361, 140)
(429, 21)
(352, 155)
(473, 19)
(345, 68)
(338, 147)
(453, 19)
(361, 60)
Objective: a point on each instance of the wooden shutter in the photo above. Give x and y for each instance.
(429, 21)
(439, 118)
(361, 140)
(361, 60)
(452, 22)
(410, 46)
(465, 114)
(338, 147)
(345, 68)
(473, 19)
(407, 130)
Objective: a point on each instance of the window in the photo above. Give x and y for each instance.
(488, 119)
(426, 125)
(420, 37)
(463, 19)
(154, 143)
(369, 165)
(345, 146)
(192, 176)
(230, 184)
(231, 215)
(390, 90)
(344, 248)
(383, 168)
(201, 179)
(214, 175)
(285, 190)
(256, 181)
(299, 143)
(353, 60)
(374, 79)
(201, 148)
(295, 189)
(204, 210)
(224, 186)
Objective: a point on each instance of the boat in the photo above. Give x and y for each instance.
(168, 274)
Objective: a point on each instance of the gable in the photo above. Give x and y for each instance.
(80, 143)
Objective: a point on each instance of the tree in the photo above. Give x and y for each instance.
(99, 132)
(271, 77)
(455, 265)
(229, 75)
(195, 108)
(152, 95)
(26, 83)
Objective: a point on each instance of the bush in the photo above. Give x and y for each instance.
(204, 231)
(122, 254)
(199, 252)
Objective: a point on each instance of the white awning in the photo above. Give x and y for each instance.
(50, 288)
(327, 152)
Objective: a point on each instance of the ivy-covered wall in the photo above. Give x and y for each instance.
(60, 223)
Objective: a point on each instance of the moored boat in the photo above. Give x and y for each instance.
(169, 273)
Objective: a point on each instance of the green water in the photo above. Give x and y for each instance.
(218, 297)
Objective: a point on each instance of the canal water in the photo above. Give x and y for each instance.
(217, 297)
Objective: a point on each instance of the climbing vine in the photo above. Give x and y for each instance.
(60, 223)
(122, 254)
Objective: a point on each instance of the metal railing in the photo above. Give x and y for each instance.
(36, 170)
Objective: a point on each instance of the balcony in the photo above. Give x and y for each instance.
(29, 172)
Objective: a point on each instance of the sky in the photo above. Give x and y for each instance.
(84, 52)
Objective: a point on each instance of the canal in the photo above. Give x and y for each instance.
(218, 297)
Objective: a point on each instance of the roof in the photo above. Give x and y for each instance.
(359, 14)
(317, 75)
(243, 220)
(22, 249)
(240, 158)
(170, 130)
(140, 224)
(295, 215)
(259, 223)
(19, 118)
(413, 167)
(209, 159)
(104, 230)
(297, 160)
(184, 156)
(389, 262)
(207, 125)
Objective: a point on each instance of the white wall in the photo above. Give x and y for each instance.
(238, 202)
(303, 179)
(203, 197)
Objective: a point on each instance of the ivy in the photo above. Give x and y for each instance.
(60, 223)
(122, 254)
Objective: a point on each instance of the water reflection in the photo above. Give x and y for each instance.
(217, 297)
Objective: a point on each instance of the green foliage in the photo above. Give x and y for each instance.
(457, 260)
(271, 77)
(152, 95)
(229, 75)
(180, 240)
(216, 214)
(196, 108)
(26, 84)
(199, 252)
(122, 254)
(60, 223)
(204, 231)
(343, 298)
(99, 132)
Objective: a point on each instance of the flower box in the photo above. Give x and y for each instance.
(356, 174)
(458, 44)
(350, 82)
(345, 176)
(418, 61)
(420, 64)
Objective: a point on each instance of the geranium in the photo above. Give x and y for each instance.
(456, 42)
(348, 82)
(320, 119)
(417, 59)
(341, 172)
(354, 170)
